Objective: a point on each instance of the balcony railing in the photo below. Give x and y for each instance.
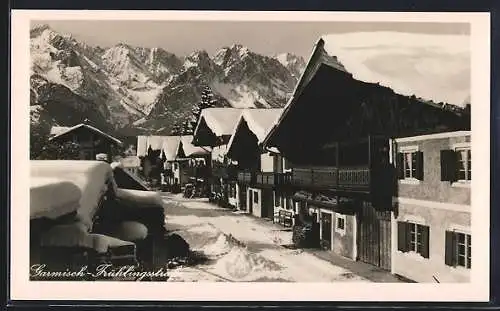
(327, 177)
(225, 172)
(264, 178)
(246, 177)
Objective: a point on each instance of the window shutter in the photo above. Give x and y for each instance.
(400, 165)
(448, 165)
(425, 242)
(420, 165)
(449, 256)
(402, 237)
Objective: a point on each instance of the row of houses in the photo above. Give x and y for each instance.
(385, 176)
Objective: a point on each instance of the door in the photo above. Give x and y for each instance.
(374, 237)
(243, 198)
(250, 201)
(326, 231)
(267, 204)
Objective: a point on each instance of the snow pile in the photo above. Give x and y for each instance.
(242, 265)
(221, 246)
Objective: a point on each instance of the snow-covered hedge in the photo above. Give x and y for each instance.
(93, 178)
(53, 197)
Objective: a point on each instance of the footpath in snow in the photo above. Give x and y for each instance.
(242, 248)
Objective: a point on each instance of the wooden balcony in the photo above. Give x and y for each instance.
(225, 172)
(269, 179)
(332, 178)
(246, 177)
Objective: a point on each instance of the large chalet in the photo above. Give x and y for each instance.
(349, 141)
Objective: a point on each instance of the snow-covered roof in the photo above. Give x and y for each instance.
(259, 121)
(155, 142)
(92, 178)
(221, 121)
(56, 130)
(90, 127)
(433, 67)
(170, 146)
(191, 150)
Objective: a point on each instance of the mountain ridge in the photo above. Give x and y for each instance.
(133, 89)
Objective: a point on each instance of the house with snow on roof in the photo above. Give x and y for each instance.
(214, 129)
(382, 172)
(261, 184)
(90, 139)
(179, 159)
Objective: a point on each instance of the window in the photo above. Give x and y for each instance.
(255, 197)
(456, 164)
(410, 164)
(413, 237)
(176, 166)
(458, 249)
(340, 223)
(463, 164)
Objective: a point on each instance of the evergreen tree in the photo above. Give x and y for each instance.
(207, 101)
(176, 129)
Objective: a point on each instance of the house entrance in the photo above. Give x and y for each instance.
(326, 231)
(374, 237)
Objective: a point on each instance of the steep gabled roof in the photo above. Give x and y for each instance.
(62, 131)
(341, 52)
(189, 149)
(221, 121)
(433, 67)
(259, 121)
(170, 146)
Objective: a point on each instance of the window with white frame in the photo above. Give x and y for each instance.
(458, 249)
(410, 163)
(463, 164)
(340, 223)
(413, 237)
(256, 197)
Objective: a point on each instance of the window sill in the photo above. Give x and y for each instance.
(459, 269)
(461, 184)
(413, 255)
(410, 181)
(340, 231)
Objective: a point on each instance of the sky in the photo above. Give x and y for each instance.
(264, 37)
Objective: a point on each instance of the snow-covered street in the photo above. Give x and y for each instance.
(242, 248)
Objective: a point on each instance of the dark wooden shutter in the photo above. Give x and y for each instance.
(449, 255)
(448, 165)
(402, 236)
(400, 165)
(425, 241)
(420, 166)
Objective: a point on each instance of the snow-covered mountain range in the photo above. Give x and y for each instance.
(130, 89)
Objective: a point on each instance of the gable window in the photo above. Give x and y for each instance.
(410, 164)
(458, 249)
(456, 164)
(413, 237)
